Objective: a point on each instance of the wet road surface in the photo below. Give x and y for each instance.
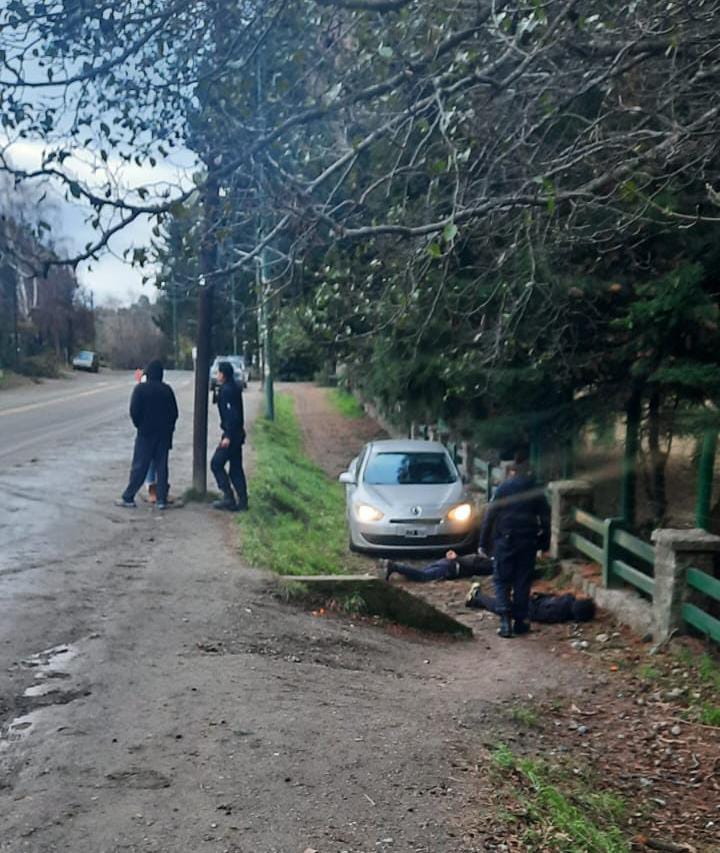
(58, 440)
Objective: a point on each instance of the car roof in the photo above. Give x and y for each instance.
(406, 445)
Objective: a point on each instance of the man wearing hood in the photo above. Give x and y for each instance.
(154, 411)
(515, 526)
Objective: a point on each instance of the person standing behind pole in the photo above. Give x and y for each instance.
(154, 411)
(516, 525)
(232, 424)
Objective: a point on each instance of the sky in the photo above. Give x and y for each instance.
(111, 278)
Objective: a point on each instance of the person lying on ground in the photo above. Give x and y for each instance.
(449, 567)
(542, 606)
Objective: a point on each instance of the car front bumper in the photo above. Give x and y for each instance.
(404, 537)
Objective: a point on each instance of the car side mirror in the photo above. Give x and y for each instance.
(347, 478)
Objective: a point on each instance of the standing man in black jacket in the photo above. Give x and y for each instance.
(515, 526)
(154, 411)
(232, 424)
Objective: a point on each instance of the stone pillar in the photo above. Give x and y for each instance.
(675, 552)
(566, 495)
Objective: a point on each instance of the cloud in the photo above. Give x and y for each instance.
(110, 277)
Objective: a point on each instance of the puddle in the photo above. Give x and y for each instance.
(52, 660)
(50, 671)
(17, 730)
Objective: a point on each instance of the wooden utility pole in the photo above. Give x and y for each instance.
(208, 266)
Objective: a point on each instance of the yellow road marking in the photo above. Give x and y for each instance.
(107, 386)
(30, 406)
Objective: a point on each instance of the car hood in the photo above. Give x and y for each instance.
(401, 498)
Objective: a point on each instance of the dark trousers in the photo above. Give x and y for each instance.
(439, 570)
(514, 566)
(233, 455)
(149, 450)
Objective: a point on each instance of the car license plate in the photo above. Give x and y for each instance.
(415, 533)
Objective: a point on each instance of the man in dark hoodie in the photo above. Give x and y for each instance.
(515, 526)
(154, 411)
(232, 424)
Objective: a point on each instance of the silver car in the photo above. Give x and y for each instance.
(407, 495)
(238, 365)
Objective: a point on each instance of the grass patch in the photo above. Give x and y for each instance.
(296, 521)
(345, 403)
(525, 716)
(648, 672)
(564, 813)
(709, 671)
(710, 714)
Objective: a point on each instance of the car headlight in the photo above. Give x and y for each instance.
(365, 513)
(460, 513)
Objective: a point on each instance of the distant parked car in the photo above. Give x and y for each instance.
(86, 360)
(405, 495)
(238, 363)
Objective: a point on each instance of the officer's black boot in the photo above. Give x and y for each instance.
(227, 503)
(520, 626)
(505, 629)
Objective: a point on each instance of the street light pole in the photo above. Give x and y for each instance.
(262, 277)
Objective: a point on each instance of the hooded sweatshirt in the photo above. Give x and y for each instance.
(153, 408)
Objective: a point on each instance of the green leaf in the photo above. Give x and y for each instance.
(434, 250)
(450, 232)
(385, 51)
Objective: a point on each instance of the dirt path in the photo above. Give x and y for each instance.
(331, 439)
(585, 703)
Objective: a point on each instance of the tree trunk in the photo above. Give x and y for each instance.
(658, 459)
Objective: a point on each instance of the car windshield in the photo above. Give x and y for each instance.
(85, 355)
(409, 469)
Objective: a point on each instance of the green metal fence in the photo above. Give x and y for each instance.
(625, 558)
(702, 582)
(622, 556)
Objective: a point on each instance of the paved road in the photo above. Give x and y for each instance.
(57, 441)
(61, 412)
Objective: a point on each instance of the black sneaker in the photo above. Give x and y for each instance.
(521, 627)
(226, 503)
(505, 629)
(125, 504)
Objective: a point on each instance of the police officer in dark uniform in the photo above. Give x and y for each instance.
(516, 525)
(232, 424)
